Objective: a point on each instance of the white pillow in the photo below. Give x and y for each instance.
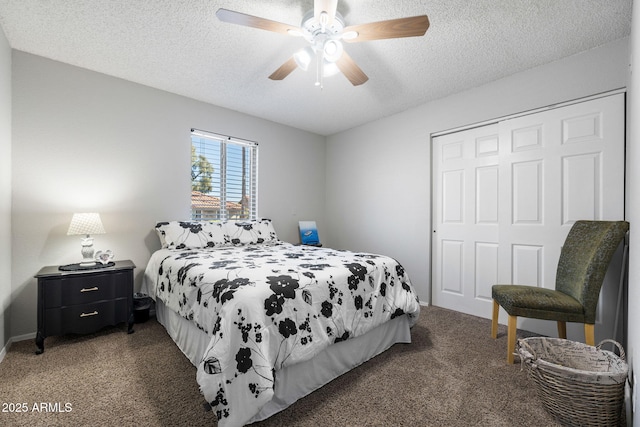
(191, 234)
(247, 232)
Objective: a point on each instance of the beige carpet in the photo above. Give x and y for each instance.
(453, 374)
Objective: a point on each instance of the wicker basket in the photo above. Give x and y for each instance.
(578, 384)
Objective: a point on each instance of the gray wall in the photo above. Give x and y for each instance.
(382, 169)
(84, 141)
(5, 189)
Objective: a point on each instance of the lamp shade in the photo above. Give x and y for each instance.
(85, 223)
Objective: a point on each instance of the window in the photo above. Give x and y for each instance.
(224, 174)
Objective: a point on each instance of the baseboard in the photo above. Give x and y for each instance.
(6, 348)
(31, 336)
(423, 303)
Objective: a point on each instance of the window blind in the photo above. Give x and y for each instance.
(224, 174)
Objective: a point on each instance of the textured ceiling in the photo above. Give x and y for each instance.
(180, 46)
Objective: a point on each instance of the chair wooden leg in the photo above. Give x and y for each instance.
(589, 334)
(562, 330)
(494, 319)
(511, 337)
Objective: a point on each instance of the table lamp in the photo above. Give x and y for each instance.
(86, 224)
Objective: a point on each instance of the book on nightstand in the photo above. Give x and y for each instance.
(309, 233)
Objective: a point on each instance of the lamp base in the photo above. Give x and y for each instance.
(87, 252)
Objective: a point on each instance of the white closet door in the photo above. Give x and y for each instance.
(506, 195)
(466, 217)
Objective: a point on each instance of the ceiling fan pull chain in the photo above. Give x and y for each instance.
(319, 67)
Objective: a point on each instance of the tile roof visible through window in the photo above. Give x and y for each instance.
(206, 202)
(205, 206)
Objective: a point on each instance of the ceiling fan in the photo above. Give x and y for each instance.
(324, 29)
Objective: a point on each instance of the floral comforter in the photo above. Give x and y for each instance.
(270, 306)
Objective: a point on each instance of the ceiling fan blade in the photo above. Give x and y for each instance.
(238, 18)
(328, 6)
(351, 70)
(391, 29)
(284, 70)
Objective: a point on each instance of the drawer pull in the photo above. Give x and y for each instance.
(89, 314)
(95, 288)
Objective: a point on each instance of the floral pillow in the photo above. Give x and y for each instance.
(254, 232)
(191, 234)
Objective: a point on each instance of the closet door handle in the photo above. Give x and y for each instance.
(89, 314)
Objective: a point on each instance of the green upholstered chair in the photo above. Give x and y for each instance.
(583, 263)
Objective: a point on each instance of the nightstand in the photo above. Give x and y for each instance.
(85, 301)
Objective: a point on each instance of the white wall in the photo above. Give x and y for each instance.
(84, 141)
(633, 203)
(381, 170)
(5, 189)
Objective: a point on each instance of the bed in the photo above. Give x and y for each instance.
(267, 322)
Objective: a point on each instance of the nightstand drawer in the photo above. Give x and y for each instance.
(85, 289)
(86, 318)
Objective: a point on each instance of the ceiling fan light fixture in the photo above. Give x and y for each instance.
(303, 57)
(332, 50)
(330, 69)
